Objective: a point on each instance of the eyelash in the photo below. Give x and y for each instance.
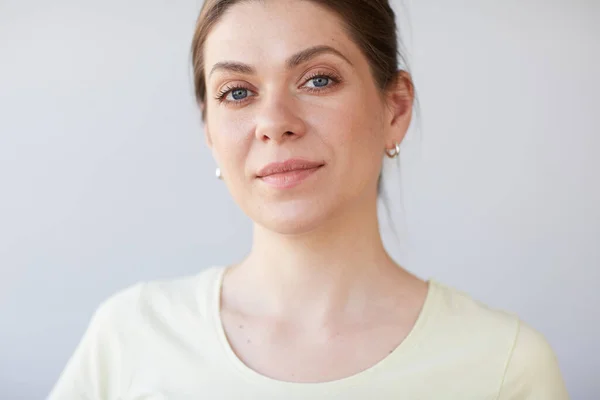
(334, 81)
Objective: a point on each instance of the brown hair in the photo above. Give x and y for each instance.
(371, 24)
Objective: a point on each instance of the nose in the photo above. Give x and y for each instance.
(278, 119)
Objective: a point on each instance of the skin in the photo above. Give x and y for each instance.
(318, 298)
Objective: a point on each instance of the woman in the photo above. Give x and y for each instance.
(301, 102)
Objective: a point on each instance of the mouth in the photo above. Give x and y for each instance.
(288, 174)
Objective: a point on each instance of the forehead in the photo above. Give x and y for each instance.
(259, 31)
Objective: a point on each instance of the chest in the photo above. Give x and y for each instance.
(185, 371)
(290, 353)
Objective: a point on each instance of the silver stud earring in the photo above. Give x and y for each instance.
(394, 152)
(218, 173)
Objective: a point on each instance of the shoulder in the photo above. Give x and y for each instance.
(463, 331)
(131, 323)
(148, 299)
(516, 353)
(467, 332)
(532, 370)
(459, 309)
(530, 345)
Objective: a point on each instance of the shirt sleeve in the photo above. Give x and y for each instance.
(97, 368)
(532, 371)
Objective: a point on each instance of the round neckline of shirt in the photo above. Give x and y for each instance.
(410, 341)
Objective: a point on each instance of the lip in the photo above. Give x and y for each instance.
(288, 174)
(291, 165)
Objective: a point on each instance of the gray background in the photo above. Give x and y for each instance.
(105, 179)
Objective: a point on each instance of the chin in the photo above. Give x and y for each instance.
(292, 217)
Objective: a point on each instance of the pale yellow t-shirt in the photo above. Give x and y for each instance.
(163, 340)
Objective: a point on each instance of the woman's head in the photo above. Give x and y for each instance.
(309, 80)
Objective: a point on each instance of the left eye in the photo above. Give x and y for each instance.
(239, 94)
(320, 81)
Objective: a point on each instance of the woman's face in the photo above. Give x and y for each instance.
(293, 115)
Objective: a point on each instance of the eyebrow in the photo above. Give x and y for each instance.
(292, 62)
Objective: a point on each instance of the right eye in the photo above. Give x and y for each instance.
(234, 94)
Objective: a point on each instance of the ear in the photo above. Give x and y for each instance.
(400, 97)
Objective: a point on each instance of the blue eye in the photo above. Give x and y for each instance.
(239, 94)
(320, 81)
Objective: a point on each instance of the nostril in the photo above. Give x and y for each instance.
(278, 136)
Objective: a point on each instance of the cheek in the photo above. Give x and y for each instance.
(231, 136)
(352, 129)
(231, 140)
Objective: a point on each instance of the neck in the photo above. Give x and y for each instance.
(329, 271)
